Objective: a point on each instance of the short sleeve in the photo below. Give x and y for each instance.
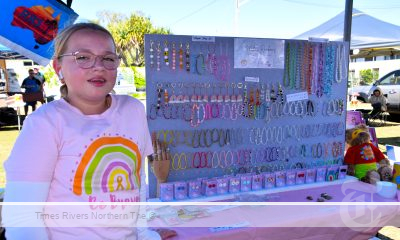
(148, 150)
(35, 153)
(349, 157)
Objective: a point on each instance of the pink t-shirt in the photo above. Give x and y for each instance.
(85, 158)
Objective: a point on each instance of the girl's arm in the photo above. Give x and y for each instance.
(24, 221)
(29, 170)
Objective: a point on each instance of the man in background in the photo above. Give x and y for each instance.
(31, 85)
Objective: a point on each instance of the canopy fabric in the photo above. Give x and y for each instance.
(366, 31)
(29, 27)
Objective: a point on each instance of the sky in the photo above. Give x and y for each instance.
(254, 18)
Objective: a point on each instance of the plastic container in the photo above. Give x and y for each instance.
(386, 189)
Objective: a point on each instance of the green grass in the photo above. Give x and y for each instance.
(8, 135)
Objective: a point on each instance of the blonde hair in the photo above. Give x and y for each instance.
(61, 41)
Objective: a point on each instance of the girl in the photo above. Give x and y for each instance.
(89, 146)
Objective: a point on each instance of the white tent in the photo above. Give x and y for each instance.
(367, 33)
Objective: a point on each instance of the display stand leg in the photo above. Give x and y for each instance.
(19, 119)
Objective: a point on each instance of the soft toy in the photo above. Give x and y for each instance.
(362, 157)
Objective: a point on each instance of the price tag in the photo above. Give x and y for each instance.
(297, 97)
(203, 39)
(252, 79)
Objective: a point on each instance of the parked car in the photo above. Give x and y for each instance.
(390, 86)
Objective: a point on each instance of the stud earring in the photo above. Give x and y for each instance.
(60, 75)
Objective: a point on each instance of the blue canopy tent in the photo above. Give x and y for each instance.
(371, 35)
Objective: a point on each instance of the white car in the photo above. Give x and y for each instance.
(390, 86)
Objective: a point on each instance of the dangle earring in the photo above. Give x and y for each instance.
(186, 98)
(267, 94)
(172, 99)
(200, 63)
(258, 102)
(173, 56)
(211, 61)
(181, 56)
(61, 77)
(193, 99)
(213, 96)
(220, 98)
(273, 95)
(233, 96)
(251, 96)
(239, 97)
(205, 98)
(158, 56)
(262, 93)
(227, 98)
(151, 54)
(166, 53)
(159, 91)
(166, 98)
(280, 93)
(187, 58)
(179, 98)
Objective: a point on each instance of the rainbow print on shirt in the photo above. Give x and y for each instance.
(109, 164)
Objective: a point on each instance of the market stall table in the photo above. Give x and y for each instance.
(310, 221)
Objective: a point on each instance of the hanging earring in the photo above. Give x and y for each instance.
(180, 56)
(172, 99)
(151, 54)
(273, 95)
(187, 58)
(159, 91)
(166, 53)
(166, 98)
(173, 56)
(227, 98)
(205, 98)
(158, 56)
(233, 97)
(213, 96)
(60, 76)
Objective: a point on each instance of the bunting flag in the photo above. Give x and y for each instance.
(29, 27)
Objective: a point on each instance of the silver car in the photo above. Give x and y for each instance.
(390, 86)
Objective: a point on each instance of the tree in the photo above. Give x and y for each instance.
(129, 35)
(368, 76)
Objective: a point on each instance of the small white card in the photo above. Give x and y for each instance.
(229, 227)
(297, 97)
(203, 39)
(252, 79)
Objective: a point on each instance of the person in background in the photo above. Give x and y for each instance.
(31, 85)
(39, 75)
(42, 79)
(378, 102)
(95, 151)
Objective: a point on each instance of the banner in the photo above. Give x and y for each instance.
(29, 27)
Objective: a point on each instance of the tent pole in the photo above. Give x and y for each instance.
(347, 20)
(348, 14)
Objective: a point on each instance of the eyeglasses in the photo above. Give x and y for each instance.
(87, 60)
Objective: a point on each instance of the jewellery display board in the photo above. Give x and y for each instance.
(227, 106)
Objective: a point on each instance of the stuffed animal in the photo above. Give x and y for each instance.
(365, 161)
